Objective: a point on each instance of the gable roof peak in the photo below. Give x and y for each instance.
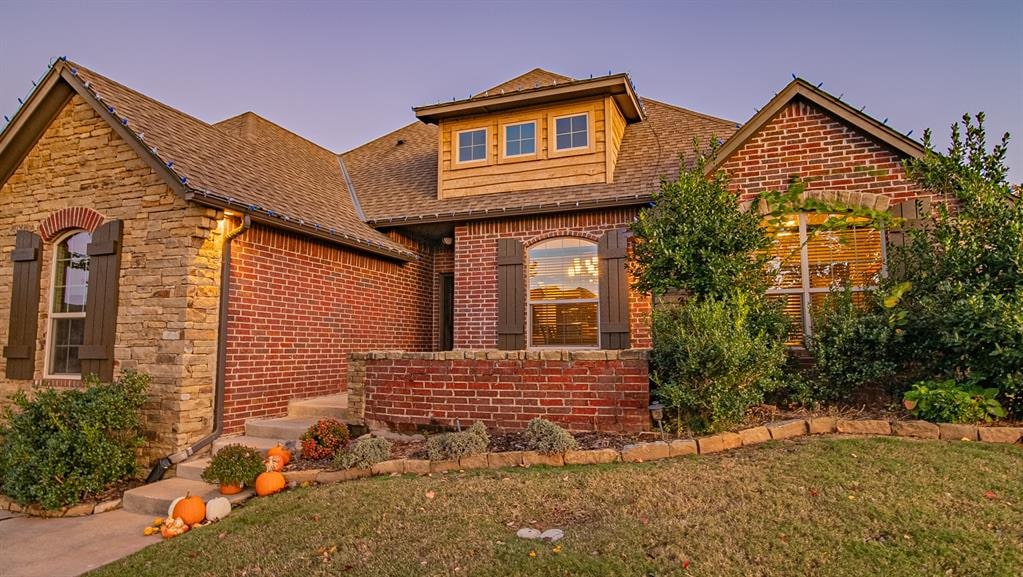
(799, 89)
(536, 77)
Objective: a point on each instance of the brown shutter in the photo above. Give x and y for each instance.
(614, 290)
(913, 213)
(511, 295)
(97, 350)
(24, 318)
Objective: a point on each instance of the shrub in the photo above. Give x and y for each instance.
(548, 438)
(962, 318)
(451, 446)
(234, 465)
(950, 402)
(851, 345)
(713, 359)
(364, 453)
(65, 444)
(324, 439)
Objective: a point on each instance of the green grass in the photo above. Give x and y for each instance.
(814, 507)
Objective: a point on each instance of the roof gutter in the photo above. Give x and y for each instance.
(488, 213)
(211, 199)
(165, 463)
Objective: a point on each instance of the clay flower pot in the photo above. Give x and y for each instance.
(230, 489)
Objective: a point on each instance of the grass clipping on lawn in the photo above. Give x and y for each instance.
(818, 506)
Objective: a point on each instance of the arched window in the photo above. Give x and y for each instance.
(67, 305)
(563, 293)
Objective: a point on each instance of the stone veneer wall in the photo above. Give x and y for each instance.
(580, 390)
(169, 285)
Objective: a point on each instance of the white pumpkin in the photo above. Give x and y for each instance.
(170, 510)
(217, 508)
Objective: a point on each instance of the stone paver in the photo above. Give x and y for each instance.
(918, 429)
(822, 425)
(953, 432)
(863, 427)
(1000, 434)
(35, 547)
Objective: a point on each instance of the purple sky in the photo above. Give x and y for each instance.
(343, 73)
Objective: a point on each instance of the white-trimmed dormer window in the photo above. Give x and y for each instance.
(571, 132)
(520, 139)
(472, 145)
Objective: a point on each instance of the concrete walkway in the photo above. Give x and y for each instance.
(34, 547)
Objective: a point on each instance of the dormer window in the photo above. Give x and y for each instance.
(472, 145)
(520, 139)
(571, 132)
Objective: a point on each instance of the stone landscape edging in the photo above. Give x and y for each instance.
(635, 453)
(668, 449)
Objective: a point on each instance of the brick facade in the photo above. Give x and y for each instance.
(80, 171)
(827, 154)
(476, 269)
(299, 306)
(581, 390)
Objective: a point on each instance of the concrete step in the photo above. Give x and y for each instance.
(261, 443)
(155, 498)
(335, 406)
(290, 428)
(192, 470)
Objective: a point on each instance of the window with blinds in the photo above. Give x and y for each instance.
(809, 260)
(563, 282)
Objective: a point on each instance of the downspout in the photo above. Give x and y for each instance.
(218, 400)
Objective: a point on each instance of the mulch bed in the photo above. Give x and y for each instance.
(115, 491)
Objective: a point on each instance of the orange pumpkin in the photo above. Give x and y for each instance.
(274, 463)
(280, 452)
(191, 510)
(269, 483)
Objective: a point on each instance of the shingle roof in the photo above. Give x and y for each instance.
(533, 78)
(397, 183)
(259, 165)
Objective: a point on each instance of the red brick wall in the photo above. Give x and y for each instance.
(827, 154)
(476, 269)
(583, 390)
(298, 307)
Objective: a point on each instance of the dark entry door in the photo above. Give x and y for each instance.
(447, 311)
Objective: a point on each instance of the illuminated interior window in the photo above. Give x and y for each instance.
(808, 261)
(563, 293)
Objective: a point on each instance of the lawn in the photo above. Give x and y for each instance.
(818, 506)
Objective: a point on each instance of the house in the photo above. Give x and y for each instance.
(470, 265)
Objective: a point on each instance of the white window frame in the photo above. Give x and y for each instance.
(504, 137)
(530, 302)
(589, 133)
(51, 317)
(458, 149)
(804, 291)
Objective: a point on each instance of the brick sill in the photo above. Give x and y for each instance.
(496, 355)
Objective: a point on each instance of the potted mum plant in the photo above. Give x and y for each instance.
(233, 467)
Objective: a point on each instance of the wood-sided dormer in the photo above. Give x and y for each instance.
(560, 134)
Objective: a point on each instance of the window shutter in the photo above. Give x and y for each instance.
(913, 212)
(614, 290)
(97, 350)
(511, 295)
(24, 315)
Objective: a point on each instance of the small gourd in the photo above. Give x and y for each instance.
(173, 527)
(170, 509)
(218, 508)
(280, 452)
(274, 463)
(191, 510)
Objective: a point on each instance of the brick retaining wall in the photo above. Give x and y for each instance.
(580, 390)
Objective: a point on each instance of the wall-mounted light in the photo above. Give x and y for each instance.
(448, 241)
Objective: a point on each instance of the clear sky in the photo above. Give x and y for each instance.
(343, 73)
